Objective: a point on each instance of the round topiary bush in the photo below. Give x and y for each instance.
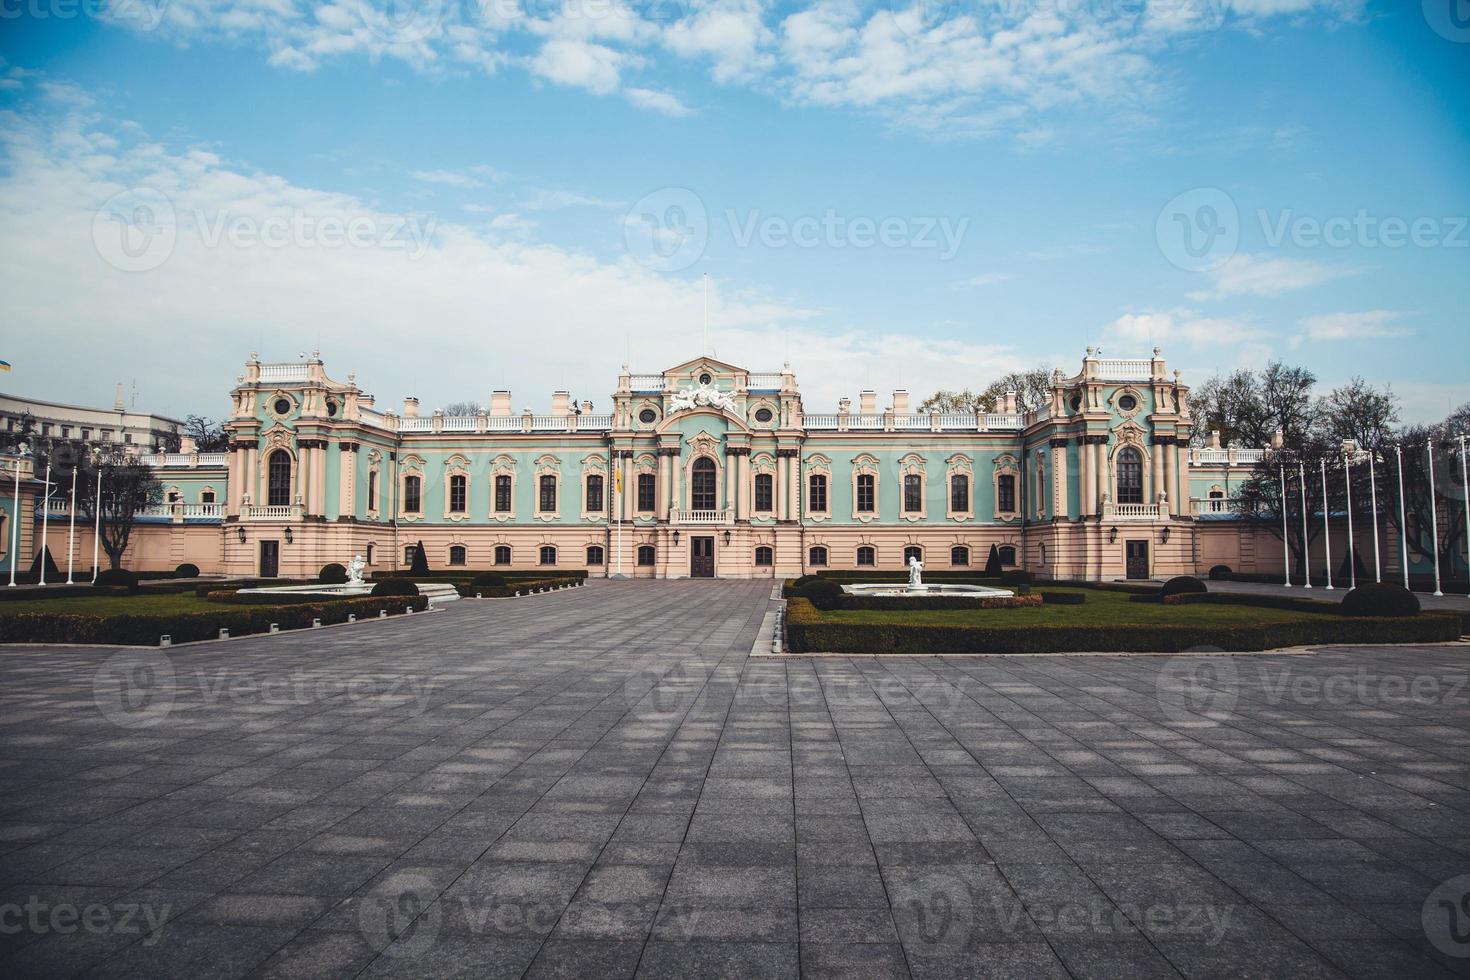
(1380, 599)
(1181, 584)
(187, 570)
(489, 579)
(823, 594)
(805, 580)
(118, 576)
(332, 573)
(1219, 573)
(395, 586)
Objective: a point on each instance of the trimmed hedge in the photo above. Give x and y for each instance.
(207, 589)
(58, 592)
(1380, 599)
(893, 603)
(118, 576)
(807, 631)
(1016, 576)
(1063, 598)
(187, 570)
(130, 630)
(488, 578)
(468, 574)
(1220, 573)
(824, 594)
(332, 573)
(395, 586)
(469, 590)
(1182, 585)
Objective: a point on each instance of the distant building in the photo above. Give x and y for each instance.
(51, 422)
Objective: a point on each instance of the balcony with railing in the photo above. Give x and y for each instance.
(1212, 506)
(270, 512)
(764, 382)
(1130, 512)
(1215, 456)
(711, 518)
(275, 373)
(1113, 369)
(645, 382)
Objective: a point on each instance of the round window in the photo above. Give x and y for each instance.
(283, 406)
(1127, 403)
(647, 416)
(705, 379)
(763, 415)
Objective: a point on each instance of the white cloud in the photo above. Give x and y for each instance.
(984, 280)
(448, 178)
(1366, 325)
(664, 102)
(731, 33)
(579, 64)
(1181, 325)
(1256, 275)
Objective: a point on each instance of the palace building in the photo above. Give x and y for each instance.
(703, 469)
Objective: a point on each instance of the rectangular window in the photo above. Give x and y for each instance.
(502, 494)
(412, 496)
(594, 495)
(959, 492)
(457, 492)
(372, 490)
(866, 502)
(86, 435)
(913, 493)
(816, 496)
(1006, 494)
(646, 492)
(548, 497)
(764, 493)
(457, 554)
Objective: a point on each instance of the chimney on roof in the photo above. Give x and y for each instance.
(410, 407)
(119, 404)
(901, 402)
(561, 404)
(867, 403)
(1214, 438)
(587, 407)
(500, 404)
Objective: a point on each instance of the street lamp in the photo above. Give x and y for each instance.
(21, 451)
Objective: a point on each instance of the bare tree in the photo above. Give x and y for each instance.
(127, 488)
(1359, 412)
(1032, 388)
(1250, 408)
(208, 435)
(462, 408)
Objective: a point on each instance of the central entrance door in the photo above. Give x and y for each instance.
(270, 559)
(701, 557)
(1137, 555)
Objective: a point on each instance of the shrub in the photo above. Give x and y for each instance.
(1181, 584)
(1380, 599)
(1220, 573)
(420, 565)
(488, 578)
(118, 576)
(1016, 576)
(992, 563)
(395, 586)
(187, 570)
(805, 580)
(1063, 598)
(332, 573)
(824, 594)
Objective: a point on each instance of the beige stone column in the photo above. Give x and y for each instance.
(235, 484)
(347, 479)
(742, 494)
(1156, 467)
(731, 469)
(1181, 462)
(782, 468)
(252, 480)
(1171, 463)
(676, 493)
(1059, 501)
(1085, 484)
(319, 479)
(662, 503)
(1104, 485)
(793, 487)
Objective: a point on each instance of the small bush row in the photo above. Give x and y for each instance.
(145, 630)
(524, 587)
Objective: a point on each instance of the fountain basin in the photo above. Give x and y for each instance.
(437, 592)
(904, 591)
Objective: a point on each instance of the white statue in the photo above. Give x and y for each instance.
(354, 570)
(701, 396)
(915, 567)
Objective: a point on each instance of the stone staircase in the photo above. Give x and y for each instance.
(438, 592)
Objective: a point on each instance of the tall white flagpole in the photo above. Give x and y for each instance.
(97, 527)
(1433, 517)
(1403, 524)
(1326, 525)
(71, 530)
(15, 516)
(1347, 485)
(45, 522)
(1465, 487)
(1301, 471)
(1373, 492)
(1285, 545)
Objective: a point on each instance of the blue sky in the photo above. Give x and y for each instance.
(987, 184)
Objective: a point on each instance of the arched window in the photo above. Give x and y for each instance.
(502, 494)
(959, 492)
(594, 554)
(548, 498)
(1007, 554)
(866, 501)
(457, 492)
(278, 479)
(765, 493)
(1005, 492)
(702, 485)
(912, 551)
(817, 557)
(594, 495)
(412, 495)
(207, 496)
(764, 555)
(548, 555)
(647, 494)
(1130, 477)
(502, 554)
(913, 493)
(646, 555)
(457, 554)
(959, 555)
(867, 556)
(816, 495)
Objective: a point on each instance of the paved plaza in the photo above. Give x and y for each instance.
(603, 782)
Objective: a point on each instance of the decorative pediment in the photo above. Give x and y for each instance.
(703, 442)
(960, 463)
(1128, 433)
(504, 463)
(912, 463)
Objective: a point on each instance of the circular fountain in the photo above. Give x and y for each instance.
(916, 589)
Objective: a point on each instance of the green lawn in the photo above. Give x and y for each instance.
(142, 604)
(1101, 608)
